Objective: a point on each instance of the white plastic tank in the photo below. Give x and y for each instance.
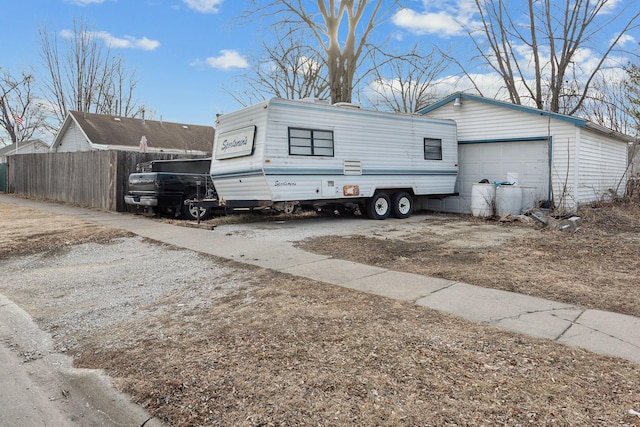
(529, 201)
(483, 198)
(508, 200)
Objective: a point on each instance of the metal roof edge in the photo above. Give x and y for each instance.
(609, 132)
(574, 120)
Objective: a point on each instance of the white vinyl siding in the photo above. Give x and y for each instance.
(73, 140)
(602, 165)
(585, 164)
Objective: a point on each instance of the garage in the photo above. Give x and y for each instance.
(562, 159)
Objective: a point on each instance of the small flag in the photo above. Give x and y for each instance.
(19, 120)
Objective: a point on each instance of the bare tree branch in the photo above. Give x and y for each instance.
(343, 53)
(405, 83)
(21, 116)
(289, 70)
(566, 29)
(85, 76)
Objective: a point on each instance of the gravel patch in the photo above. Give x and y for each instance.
(85, 290)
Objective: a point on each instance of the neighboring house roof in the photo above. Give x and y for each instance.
(106, 132)
(570, 119)
(24, 147)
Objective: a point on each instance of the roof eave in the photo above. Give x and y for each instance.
(63, 130)
(102, 147)
(609, 132)
(530, 110)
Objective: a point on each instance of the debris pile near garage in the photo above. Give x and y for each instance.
(515, 218)
(570, 224)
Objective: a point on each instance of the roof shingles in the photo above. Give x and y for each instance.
(109, 130)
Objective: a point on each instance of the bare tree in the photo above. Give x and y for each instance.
(632, 95)
(85, 75)
(289, 70)
(21, 115)
(610, 103)
(116, 94)
(405, 83)
(343, 53)
(549, 73)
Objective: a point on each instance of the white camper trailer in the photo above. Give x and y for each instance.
(282, 154)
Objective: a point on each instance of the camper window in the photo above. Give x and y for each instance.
(310, 142)
(432, 149)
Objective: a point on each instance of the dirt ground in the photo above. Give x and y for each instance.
(285, 351)
(598, 266)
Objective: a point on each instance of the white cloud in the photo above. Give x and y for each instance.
(624, 40)
(204, 6)
(126, 42)
(442, 18)
(610, 6)
(490, 85)
(227, 60)
(427, 23)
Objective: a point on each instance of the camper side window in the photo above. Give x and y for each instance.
(432, 149)
(310, 142)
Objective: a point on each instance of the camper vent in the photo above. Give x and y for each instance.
(352, 167)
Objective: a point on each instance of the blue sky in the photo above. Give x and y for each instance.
(186, 52)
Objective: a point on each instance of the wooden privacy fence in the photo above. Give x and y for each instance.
(96, 179)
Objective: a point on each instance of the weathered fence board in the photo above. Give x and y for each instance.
(96, 179)
(3, 177)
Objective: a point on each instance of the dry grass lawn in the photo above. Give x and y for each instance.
(286, 351)
(596, 267)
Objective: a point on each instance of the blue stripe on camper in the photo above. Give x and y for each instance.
(331, 172)
(303, 171)
(369, 171)
(409, 172)
(237, 174)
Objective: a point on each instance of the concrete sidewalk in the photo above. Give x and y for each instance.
(40, 387)
(598, 331)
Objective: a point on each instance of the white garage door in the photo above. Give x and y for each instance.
(493, 161)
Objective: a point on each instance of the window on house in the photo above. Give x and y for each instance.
(310, 142)
(432, 149)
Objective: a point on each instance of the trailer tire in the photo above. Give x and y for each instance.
(191, 213)
(379, 206)
(401, 205)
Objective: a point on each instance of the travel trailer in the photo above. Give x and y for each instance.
(282, 154)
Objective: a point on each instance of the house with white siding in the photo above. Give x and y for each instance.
(24, 147)
(92, 132)
(557, 158)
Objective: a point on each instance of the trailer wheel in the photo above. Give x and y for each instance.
(192, 213)
(379, 206)
(401, 205)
